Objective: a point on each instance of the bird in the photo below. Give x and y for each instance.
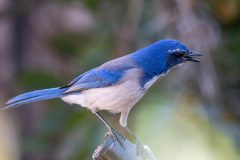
(117, 85)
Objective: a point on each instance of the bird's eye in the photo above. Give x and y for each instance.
(179, 54)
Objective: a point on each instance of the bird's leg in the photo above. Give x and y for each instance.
(131, 134)
(123, 123)
(117, 137)
(139, 146)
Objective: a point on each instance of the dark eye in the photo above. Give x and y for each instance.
(179, 54)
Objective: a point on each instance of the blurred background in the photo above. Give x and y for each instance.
(191, 114)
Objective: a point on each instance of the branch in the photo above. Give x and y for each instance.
(114, 151)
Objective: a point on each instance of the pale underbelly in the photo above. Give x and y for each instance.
(118, 98)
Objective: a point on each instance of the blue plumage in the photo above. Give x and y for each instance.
(119, 84)
(154, 58)
(98, 78)
(34, 96)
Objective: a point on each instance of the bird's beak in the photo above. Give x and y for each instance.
(191, 56)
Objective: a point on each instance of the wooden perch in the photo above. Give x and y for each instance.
(114, 151)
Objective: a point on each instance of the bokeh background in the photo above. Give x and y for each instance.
(191, 114)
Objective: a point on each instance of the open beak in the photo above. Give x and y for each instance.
(191, 56)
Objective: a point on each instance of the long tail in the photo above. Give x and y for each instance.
(34, 96)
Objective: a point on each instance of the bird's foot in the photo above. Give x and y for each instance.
(117, 137)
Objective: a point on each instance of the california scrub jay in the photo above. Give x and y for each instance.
(117, 85)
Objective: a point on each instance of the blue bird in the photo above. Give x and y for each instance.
(117, 85)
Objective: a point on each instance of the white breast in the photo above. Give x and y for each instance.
(150, 83)
(117, 98)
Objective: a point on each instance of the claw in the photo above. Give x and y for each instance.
(117, 137)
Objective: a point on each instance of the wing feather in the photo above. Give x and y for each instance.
(106, 75)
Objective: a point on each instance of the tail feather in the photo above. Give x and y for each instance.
(34, 96)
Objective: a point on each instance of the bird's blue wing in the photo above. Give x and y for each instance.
(78, 78)
(106, 75)
(95, 79)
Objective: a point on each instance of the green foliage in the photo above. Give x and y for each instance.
(37, 79)
(68, 45)
(92, 4)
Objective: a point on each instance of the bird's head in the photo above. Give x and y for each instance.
(163, 55)
(177, 53)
